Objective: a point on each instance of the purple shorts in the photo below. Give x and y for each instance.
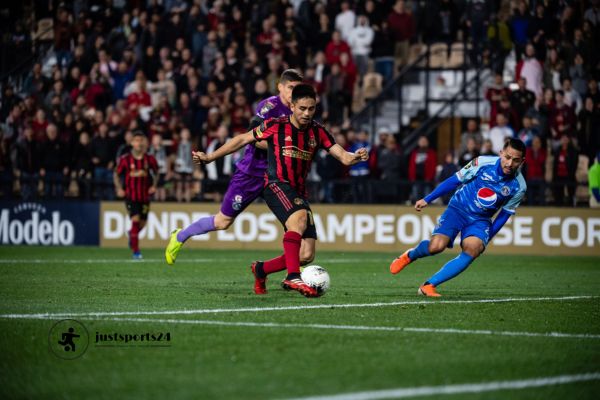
(243, 189)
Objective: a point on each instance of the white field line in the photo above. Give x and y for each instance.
(162, 260)
(359, 328)
(419, 391)
(289, 308)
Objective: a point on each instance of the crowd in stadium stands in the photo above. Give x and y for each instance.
(189, 74)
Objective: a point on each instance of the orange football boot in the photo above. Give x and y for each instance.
(428, 290)
(399, 263)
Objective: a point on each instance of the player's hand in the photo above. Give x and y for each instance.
(421, 204)
(152, 190)
(361, 154)
(120, 193)
(200, 157)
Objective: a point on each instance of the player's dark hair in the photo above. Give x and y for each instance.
(302, 91)
(291, 75)
(515, 144)
(138, 133)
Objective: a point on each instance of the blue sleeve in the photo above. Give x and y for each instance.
(499, 222)
(596, 193)
(443, 188)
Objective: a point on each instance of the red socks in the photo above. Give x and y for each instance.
(275, 265)
(133, 236)
(291, 251)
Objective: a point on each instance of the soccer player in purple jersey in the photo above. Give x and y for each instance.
(247, 183)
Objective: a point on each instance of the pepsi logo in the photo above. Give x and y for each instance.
(486, 197)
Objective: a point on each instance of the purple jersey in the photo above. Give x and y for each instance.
(255, 161)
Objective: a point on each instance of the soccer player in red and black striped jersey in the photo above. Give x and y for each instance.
(136, 177)
(292, 144)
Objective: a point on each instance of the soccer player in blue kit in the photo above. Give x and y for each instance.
(489, 183)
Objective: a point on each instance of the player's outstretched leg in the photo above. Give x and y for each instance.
(410, 255)
(179, 236)
(451, 269)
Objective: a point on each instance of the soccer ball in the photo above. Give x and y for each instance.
(317, 277)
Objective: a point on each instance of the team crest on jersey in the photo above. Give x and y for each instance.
(486, 197)
(266, 108)
(312, 142)
(298, 201)
(505, 190)
(237, 202)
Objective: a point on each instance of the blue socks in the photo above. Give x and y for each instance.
(451, 269)
(422, 250)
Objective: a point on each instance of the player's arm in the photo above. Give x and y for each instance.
(155, 176)
(229, 147)
(443, 188)
(118, 181)
(255, 122)
(499, 222)
(346, 157)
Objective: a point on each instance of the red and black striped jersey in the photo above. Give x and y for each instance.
(138, 175)
(291, 150)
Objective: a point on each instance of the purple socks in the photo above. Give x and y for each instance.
(199, 227)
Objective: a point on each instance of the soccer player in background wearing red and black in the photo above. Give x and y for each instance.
(292, 144)
(137, 173)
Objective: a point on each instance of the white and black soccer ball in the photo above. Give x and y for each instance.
(317, 277)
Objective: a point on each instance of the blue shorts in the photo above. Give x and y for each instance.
(452, 222)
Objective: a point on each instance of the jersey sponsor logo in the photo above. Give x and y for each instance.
(140, 173)
(486, 177)
(288, 138)
(295, 152)
(486, 197)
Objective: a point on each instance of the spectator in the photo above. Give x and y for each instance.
(535, 165)
(446, 170)
(571, 96)
(421, 169)
(360, 39)
(184, 167)
(563, 173)
(487, 148)
(588, 133)
(335, 48)
(519, 25)
(103, 151)
(27, 156)
(159, 151)
(522, 99)
(562, 120)
(594, 183)
(498, 134)
(527, 132)
(54, 164)
(82, 166)
(472, 132)
(470, 152)
(345, 20)
(531, 69)
(402, 28)
(360, 172)
(494, 93)
(476, 19)
(390, 164)
(218, 172)
(63, 35)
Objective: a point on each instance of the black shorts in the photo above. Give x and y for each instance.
(283, 200)
(138, 208)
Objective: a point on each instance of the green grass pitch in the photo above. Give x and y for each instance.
(247, 352)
